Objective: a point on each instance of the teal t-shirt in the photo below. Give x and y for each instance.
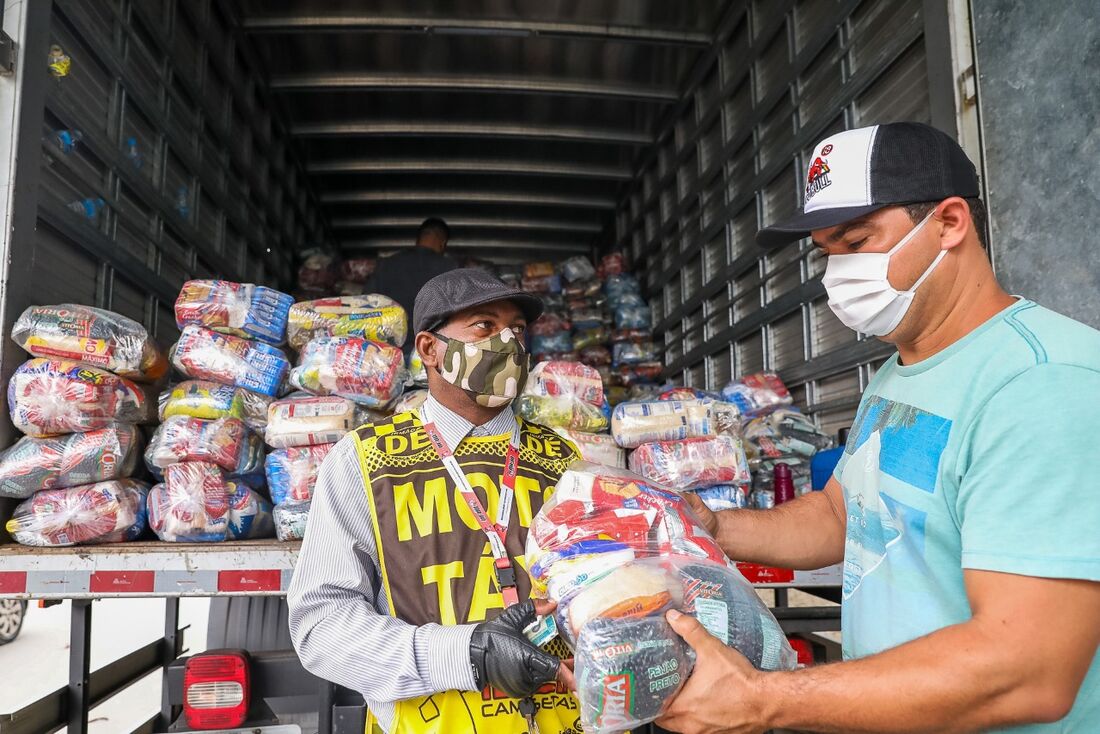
(984, 456)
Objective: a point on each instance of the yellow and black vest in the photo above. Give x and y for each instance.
(436, 564)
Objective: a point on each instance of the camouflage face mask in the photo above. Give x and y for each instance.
(492, 371)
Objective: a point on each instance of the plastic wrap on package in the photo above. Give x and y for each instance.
(550, 323)
(308, 420)
(726, 604)
(724, 497)
(539, 269)
(47, 397)
(565, 379)
(763, 475)
(290, 520)
(373, 316)
(367, 372)
(598, 356)
(542, 284)
(577, 268)
(581, 289)
(539, 358)
(586, 318)
(618, 284)
(213, 400)
(561, 341)
(203, 354)
(611, 264)
(192, 504)
(687, 393)
(628, 300)
(93, 336)
(693, 463)
(631, 335)
(578, 302)
(627, 672)
(226, 442)
(600, 518)
(784, 432)
(417, 374)
(241, 309)
(104, 512)
(635, 423)
(634, 352)
(640, 379)
(410, 401)
(590, 338)
(347, 288)
(358, 269)
(34, 464)
(250, 515)
(617, 394)
(563, 412)
(595, 448)
(758, 393)
(292, 472)
(318, 271)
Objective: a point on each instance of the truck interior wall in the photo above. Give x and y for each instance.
(213, 190)
(1041, 133)
(781, 75)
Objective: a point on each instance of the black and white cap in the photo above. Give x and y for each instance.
(860, 171)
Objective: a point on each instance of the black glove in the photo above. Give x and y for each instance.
(503, 657)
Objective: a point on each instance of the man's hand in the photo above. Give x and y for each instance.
(722, 693)
(503, 657)
(706, 516)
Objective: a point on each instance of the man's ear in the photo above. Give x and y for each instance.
(954, 214)
(427, 346)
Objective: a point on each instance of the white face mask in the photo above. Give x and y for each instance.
(859, 290)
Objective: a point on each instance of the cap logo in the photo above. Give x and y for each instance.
(817, 179)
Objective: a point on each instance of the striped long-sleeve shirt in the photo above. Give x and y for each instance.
(339, 613)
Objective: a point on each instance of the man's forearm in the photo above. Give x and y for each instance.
(957, 679)
(807, 533)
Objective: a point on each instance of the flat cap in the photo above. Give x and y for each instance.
(460, 289)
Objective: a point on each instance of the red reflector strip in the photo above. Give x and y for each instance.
(754, 573)
(13, 582)
(267, 580)
(122, 582)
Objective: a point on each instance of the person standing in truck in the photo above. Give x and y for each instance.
(407, 588)
(965, 507)
(401, 275)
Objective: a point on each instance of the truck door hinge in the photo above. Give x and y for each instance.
(7, 53)
(968, 86)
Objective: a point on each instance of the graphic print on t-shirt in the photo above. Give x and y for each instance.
(905, 443)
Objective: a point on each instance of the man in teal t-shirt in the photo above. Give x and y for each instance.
(966, 506)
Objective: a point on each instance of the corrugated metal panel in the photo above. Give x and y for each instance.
(718, 313)
(715, 257)
(750, 355)
(743, 232)
(826, 332)
(786, 345)
(127, 299)
(772, 67)
(811, 17)
(166, 331)
(899, 94)
(63, 272)
(813, 67)
(720, 368)
(873, 26)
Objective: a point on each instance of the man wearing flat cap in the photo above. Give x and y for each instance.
(408, 587)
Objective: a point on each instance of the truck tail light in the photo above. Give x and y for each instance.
(216, 690)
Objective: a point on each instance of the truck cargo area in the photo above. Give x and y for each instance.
(229, 138)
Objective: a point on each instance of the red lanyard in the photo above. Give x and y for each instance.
(496, 532)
